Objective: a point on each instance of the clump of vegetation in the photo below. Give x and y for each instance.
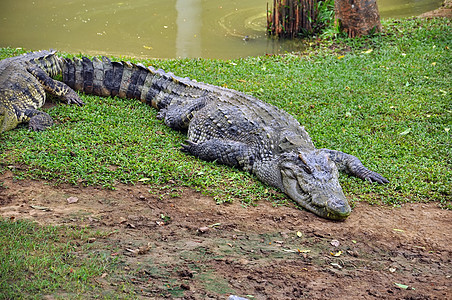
(294, 18)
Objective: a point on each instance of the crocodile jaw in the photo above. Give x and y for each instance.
(327, 201)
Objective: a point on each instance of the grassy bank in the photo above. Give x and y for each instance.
(385, 99)
(39, 260)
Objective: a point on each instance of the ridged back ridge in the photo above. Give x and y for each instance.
(102, 77)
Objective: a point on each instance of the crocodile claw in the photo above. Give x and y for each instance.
(73, 98)
(375, 177)
(161, 114)
(186, 148)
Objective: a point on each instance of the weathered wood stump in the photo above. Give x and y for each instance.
(358, 17)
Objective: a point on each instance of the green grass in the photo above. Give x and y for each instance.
(385, 99)
(36, 261)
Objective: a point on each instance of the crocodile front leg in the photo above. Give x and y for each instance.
(353, 166)
(54, 87)
(229, 153)
(39, 120)
(179, 114)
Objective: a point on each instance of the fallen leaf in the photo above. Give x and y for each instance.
(399, 230)
(203, 229)
(144, 179)
(446, 129)
(71, 200)
(405, 132)
(367, 51)
(434, 63)
(303, 251)
(40, 207)
(148, 47)
(341, 57)
(335, 243)
(338, 253)
(140, 250)
(392, 270)
(402, 286)
(299, 234)
(354, 242)
(336, 265)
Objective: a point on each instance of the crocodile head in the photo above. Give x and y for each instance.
(312, 180)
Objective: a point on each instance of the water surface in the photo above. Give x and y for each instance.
(156, 28)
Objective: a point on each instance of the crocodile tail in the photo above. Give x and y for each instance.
(103, 77)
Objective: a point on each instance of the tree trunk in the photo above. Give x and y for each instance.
(358, 17)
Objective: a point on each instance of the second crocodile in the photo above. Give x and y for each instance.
(24, 81)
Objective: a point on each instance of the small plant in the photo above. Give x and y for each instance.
(294, 18)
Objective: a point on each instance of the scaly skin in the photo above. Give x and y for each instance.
(231, 128)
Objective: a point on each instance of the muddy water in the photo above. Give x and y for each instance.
(152, 28)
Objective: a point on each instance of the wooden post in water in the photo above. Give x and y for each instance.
(291, 18)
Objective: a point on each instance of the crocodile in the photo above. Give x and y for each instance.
(231, 128)
(24, 81)
(222, 124)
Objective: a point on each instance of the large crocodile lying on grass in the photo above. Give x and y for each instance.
(231, 128)
(24, 81)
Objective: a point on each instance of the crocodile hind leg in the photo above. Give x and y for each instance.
(353, 166)
(229, 153)
(54, 87)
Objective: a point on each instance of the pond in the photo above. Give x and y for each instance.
(156, 29)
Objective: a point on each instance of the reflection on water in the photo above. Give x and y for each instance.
(188, 37)
(156, 28)
(406, 8)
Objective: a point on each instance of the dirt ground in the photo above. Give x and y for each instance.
(178, 243)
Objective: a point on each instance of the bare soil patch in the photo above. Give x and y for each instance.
(180, 244)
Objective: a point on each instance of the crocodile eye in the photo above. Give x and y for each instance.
(305, 165)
